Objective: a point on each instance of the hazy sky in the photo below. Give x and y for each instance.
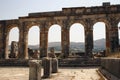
(12, 9)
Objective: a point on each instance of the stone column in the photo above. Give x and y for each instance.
(35, 70)
(113, 36)
(43, 42)
(88, 37)
(6, 39)
(65, 42)
(107, 41)
(54, 65)
(114, 40)
(1, 41)
(88, 42)
(23, 42)
(47, 67)
(54, 60)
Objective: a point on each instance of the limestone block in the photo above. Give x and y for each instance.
(54, 65)
(47, 69)
(35, 69)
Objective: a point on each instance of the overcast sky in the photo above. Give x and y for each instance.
(12, 9)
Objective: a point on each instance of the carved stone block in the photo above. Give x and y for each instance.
(35, 69)
(54, 65)
(47, 69)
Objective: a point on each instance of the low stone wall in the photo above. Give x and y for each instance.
(112, 65)
(79, 62)
(14, 62)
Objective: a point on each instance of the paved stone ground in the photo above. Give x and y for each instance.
(22, 73)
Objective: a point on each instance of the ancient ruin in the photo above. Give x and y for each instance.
(87, 16)
(14, 50)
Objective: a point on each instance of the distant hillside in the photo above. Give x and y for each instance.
(98, 45)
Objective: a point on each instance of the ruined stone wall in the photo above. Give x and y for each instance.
(87, 16)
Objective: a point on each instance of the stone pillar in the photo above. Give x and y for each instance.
(47, 67)
(35, 70)
(88, 42)
(1, 42)
(54, 60)
(54, 65)
(6, 38)
(23, 42)
(114, 39)
(2, 39)
(107, 41)
(21, 46)
(43, 42)
(65, 42)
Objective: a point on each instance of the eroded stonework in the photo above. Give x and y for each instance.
(87, 16)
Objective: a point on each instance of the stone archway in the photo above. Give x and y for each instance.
(14, 35)
(34, 36)
(33, 42)
(56, 31)
(13, 42)
(87, 16)
(99, 36)
(54, 38)
(77, 38)
(7, 34)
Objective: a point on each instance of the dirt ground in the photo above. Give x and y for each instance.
(79, 73)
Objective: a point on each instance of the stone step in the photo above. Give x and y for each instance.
(79, 62)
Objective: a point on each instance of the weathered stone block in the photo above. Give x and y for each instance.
(54, 65)
(47, 67)
(111, 65)
(35, 69)
(14, 50)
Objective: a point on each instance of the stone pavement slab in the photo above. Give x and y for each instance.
(71, 73)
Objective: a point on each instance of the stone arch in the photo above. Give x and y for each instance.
(33, 30)
(16, 31)
(25, 27)
(33, 40)
(13, 42)
(7, 33)
(11, 26)
(105, 21)
(31, 24)
(99, 35)
(77, 29)
(50, 24)
(54, 35)
(71, 22)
